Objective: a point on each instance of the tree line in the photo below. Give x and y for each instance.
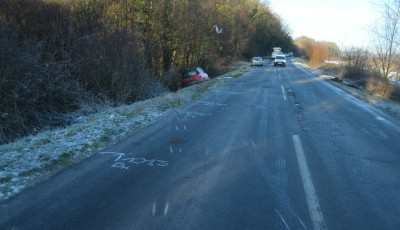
(60, 59)
(317, 51)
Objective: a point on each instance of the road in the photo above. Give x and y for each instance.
(276, 148)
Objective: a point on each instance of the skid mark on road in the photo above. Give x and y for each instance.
(375, 133)
(186, 115)
(283, 220)
(207, 103)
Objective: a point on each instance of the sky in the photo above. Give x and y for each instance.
(345, 22)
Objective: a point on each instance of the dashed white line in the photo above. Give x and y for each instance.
(166, 209)
(311, 196)
(154, 208)
(283, 92)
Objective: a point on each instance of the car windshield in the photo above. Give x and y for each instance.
(190, 73)
(280, 57)
(257, 59)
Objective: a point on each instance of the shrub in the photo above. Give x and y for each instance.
(55, 63)
(356, 67)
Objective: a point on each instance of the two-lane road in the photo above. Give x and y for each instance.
(275, 149)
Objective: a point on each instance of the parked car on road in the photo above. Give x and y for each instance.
(257, 61)
(280, 60)
(194, 76)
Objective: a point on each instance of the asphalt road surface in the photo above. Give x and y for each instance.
(277, 148)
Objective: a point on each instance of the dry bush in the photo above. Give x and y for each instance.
(356, 67)
(172, 78)
(394, 92)
(36, 91)
(319, 54)
(53, 67)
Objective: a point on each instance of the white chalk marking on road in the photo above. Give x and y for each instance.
(311, 196)
(166, 209)
(154, 208)
(301, 222)
(171, 149)
(244, 142)
(177, 128)
(283, 92)
(118, 155)
(254, 145)
(283, 220)
(120, 165)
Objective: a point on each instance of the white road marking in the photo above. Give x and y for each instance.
(311, 196)
(301, 222)
(283, 92)
(154, 208)
(166, 209)
(171, 149)
(283, 220)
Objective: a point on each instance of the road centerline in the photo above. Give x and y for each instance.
(283, 92)
(311, 196)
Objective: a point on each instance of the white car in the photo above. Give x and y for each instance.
(280, 60)
(257, 61)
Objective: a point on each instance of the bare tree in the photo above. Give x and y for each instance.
(386, 41)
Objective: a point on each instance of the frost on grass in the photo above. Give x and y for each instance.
(29, 159)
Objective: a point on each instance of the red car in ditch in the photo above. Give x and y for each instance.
(194, 76)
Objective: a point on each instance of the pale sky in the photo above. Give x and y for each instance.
(345, 22)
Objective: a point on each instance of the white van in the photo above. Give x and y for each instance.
(277, 51)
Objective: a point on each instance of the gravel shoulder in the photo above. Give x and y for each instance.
(32, 159)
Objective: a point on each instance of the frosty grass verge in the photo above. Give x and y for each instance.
(34, 158)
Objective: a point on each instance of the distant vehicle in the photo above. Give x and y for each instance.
(280, 60)
(257, 61)
(277, 51)
(194, 76)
